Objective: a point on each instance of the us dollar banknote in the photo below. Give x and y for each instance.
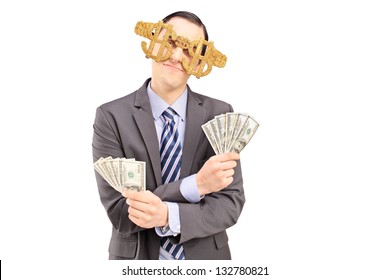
(122, 173)
(230, 132)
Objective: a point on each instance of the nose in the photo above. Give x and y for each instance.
(177, 55)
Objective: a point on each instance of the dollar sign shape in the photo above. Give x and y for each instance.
(198, 61)
(153, 32)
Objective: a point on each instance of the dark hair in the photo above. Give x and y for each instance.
(191, 18)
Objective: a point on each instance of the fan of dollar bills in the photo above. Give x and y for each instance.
(230, 132)
(122, 173)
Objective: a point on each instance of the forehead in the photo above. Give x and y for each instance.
(185, 28)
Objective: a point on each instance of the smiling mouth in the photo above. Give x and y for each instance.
(174, 67)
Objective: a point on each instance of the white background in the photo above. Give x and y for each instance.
(315, 74)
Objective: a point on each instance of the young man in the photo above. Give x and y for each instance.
(192, 195)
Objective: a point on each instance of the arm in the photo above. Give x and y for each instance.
(218, 210)
(106, 142)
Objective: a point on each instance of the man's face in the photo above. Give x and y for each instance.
(171, 70)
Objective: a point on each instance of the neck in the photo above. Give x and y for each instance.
(168, 94)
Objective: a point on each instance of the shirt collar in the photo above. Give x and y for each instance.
(158, 105)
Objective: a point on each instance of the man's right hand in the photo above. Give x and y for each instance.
(217, 173)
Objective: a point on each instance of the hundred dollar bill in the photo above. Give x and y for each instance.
(214, 128)
(101, 163)
(99, 169)
(133, 175)
(245, 135)
(231, 122)
(221, 126)
(241, 119)
(230, 132)
(210, 136)
(111, 165)
(122, 173)
(109, 176)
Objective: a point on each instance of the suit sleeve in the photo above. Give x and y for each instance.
(214, 213)
(106, 142)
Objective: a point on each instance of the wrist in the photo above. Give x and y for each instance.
(164, 219)
(201, 188)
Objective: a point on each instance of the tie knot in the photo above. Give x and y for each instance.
(168, 114)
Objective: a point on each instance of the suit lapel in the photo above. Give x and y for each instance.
(145, 122)
(196, 116)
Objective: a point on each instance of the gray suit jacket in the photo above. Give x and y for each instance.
(125, 128)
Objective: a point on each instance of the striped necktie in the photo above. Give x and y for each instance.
(170, 154)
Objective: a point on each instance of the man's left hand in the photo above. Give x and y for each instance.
(146, 209)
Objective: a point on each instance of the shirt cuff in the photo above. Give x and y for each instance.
(173, 220)
(189, 189)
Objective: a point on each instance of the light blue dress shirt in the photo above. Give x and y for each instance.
(188, 186)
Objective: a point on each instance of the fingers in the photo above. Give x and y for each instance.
(145, 202)
(140, 196)
(228, 173)
(140, 218)
(228, 156)
(225, 161)
(139, 212)
(227, 165)
(146, 209)
(140, 206)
